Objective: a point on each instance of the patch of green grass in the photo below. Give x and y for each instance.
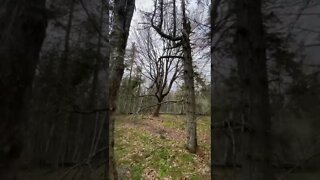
(187, 158)
(170, 124)
(136, 171)
(196, 177)
(168, 117)
(203, 124)
(205, 147)
(161, 154)
(173, 122)
(145, 138)
(167, 156)
(164, 170)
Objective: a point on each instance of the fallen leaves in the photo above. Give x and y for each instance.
(149, 174)
(140, 145)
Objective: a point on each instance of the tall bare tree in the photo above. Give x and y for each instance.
(189, 81)
(181, 40)
(158, 63)
(22, 30)
(122, 15)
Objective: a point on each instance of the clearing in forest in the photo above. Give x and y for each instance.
(154, 148)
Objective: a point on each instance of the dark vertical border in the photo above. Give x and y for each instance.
(211, 74)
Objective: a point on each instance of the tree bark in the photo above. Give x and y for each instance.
(256, 152)
(123, 12)
(132, 60)
(157, 109)
(22, 31)
(188, 76)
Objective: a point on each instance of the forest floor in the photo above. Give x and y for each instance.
(154, 148)
(146, 148)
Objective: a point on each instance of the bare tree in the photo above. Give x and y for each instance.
(158, 64)
(183, 40)
(22, 30)
(122, 15)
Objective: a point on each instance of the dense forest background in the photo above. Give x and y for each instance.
(75, 75)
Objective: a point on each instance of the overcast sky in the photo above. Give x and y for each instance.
(147, 5)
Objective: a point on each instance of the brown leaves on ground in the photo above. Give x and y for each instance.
(154, 147)
(149, 174)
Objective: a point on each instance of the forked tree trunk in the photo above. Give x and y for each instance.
(22, 30)
(123, 11)
(256, 150)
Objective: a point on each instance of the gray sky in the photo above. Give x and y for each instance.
(147, 5)
(144, 3)
(141, 5)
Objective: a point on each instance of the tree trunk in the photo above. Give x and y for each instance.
(133, 57)
(123, 11)
(188, 77)
(251, 57)
(22, 30)
(107, 62)
(157, 110)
